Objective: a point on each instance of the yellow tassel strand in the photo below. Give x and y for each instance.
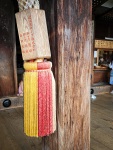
(31, 100)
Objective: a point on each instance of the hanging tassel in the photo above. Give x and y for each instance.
(39, 99)
(39, 83)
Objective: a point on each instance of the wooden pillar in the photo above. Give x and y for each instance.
(92, 51)
(69, 24)
(8, 74)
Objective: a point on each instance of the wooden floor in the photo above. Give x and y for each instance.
(13, 138)
(11, 132)
(102, 123)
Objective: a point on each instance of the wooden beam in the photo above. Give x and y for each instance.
(99, 3)
(104, 14)
(16, 101)
(69, 26)
(92, 51)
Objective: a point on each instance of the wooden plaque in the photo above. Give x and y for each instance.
(33, 35)
(103, 44)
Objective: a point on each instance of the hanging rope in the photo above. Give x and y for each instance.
(26, 4)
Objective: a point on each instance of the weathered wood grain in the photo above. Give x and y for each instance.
(70, 25)
(8, 77)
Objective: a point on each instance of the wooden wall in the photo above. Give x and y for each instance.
(101, 76)
(8, 76)
(69, 26)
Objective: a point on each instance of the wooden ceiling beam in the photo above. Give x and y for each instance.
(105, 13)
(95, 7)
